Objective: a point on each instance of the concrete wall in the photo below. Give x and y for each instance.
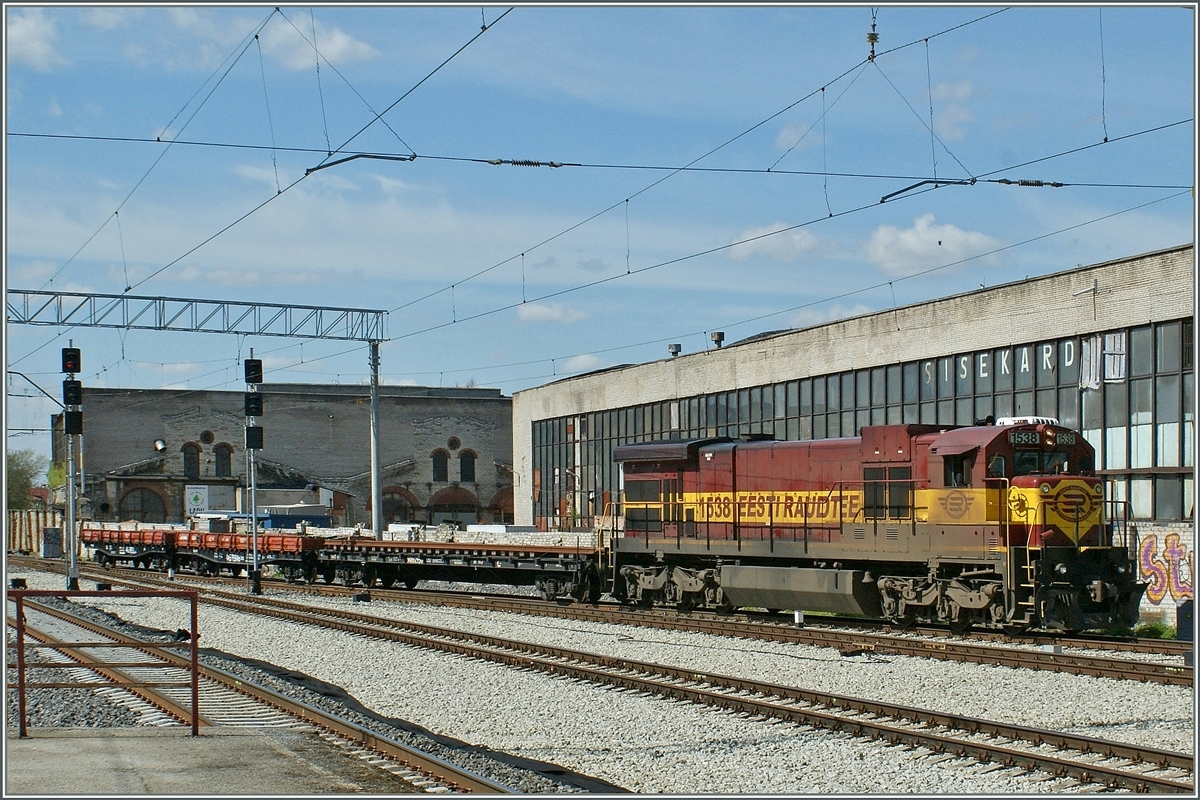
(1127, 292)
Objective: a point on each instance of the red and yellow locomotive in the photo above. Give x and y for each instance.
(1000, 525)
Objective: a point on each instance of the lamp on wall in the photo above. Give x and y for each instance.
(160, 445)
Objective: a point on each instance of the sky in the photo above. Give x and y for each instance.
(720, 168)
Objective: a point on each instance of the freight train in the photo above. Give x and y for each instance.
(1000, 525)
(557, 571)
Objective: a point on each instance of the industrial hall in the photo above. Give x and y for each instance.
(161, 455)
(1106, 349)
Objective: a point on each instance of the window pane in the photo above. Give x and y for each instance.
(1139, 497)
(1002, 368)
(754, 409)
(818, 396)
(928, 377)
(911, 383)
(805, 407)
(964, 376)
(878, 388)
(1068, 363)
(983, 407)
(833, 394)
(983, 373)
(847, 391)
(1023, 404)
(1047, 403)
(1046, 364)
(1023, 365)
(1141, 351)
(1168, 347)
(894, 395)
(1168, 498)
(1003, 406)
(945, 378)
(1068, 408)
(964, 411)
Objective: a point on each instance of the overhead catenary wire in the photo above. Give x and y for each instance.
(250, 38)
(694, 161)
(659, 167)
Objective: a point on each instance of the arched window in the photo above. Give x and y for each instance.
(396, 508)
(191, 461)
(441, 473)
(466, 466)
(224, 454)
(141, 505)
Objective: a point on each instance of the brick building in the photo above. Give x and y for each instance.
(151, 455)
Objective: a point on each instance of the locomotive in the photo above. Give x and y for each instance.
(1000, 525)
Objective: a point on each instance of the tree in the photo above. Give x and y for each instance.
(22, 467)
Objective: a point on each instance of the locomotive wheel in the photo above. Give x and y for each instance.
(964, 622)
(906, 619)
(687, 602)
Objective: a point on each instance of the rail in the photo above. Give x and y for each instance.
(73, 651)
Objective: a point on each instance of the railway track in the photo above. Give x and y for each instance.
(1088, 760)
(935, 646)
(228, 700)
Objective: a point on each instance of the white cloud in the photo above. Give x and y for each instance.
(295, 51)
(786, 245)
(952, 123)
(952, 115)
(107, 19)
(923, 246)
(581, 363)
(549, 312)
(54, 109)
(808, 317)
(32, 39)
(954, 92)
(31, 273)
(798, 135)
(594, 265)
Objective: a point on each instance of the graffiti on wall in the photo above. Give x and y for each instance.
(1169, 574)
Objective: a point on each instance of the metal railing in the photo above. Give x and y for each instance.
(109, 670)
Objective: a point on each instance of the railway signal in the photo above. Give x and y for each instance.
(253, 404)
(72, 363)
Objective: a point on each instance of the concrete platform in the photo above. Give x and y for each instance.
(58, 762)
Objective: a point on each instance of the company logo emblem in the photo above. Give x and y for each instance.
(956, 503)
(1074, 503)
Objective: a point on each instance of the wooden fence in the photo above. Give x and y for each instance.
(23, 534)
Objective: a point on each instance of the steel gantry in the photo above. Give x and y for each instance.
(189, 315)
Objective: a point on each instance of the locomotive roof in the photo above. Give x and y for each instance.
(963, 440)
(665, 449)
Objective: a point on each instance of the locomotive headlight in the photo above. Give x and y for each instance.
(1061, 569)
(1045, 488)
(1098, 488)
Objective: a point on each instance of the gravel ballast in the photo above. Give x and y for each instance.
(650, 745)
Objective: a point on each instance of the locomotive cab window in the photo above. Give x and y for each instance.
(996, 464)
(957, 469)
(1035, 462)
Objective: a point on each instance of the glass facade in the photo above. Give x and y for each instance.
(1131, 393)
